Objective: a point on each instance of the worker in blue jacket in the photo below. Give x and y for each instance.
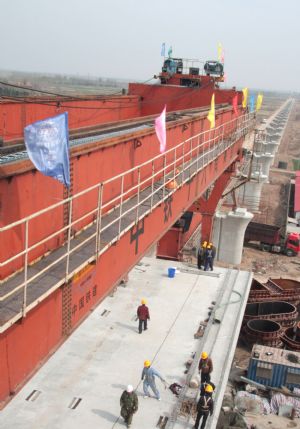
(209, 257)
(148, 376)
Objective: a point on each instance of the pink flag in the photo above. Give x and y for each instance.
(235, 104)
(160, 129)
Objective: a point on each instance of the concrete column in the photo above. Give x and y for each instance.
(265, 162)
(250, 193)
(228, 234)
(271, 131)
(270, 138)
(262, 162)
(270, 147)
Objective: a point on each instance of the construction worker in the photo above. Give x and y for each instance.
(129, 404)
(201, 254)
(210, 253)
(148, 376)
(206, 383)
(205, 367)
(143, 315)
(205, 407)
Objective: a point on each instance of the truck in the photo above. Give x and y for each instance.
(271, 238)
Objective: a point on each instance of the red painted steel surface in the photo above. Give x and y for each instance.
(88, 169)
(208, 206)
(14, 116)
(43, 324)
(172, 243)
(85, 293)
(21, 196)
(154, 97)
(25, 345)
(169, 245)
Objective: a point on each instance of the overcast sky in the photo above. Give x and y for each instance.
(122, 38)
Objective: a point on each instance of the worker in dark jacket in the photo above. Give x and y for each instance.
(205, 384)
(201, 254)
(129, 404)
(205, 367)
(143, 315)
(210, 254)
(205, 407)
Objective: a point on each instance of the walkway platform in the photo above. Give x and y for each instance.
(81, 384)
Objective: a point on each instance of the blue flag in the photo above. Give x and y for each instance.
(163, 50)
(170, 51)
(252, 103)
(47, 144)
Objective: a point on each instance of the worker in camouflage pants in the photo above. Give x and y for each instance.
(129, 405)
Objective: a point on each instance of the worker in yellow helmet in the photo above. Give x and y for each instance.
(143, 315)
(200, 255)
(205, 384)
(209, 257)
(205, 367)
(148, 377)
(205, 406)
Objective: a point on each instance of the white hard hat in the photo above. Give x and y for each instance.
(129, 388)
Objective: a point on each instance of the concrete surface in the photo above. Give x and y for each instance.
(106, 352)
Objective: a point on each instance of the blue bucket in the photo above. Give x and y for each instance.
(171, 272)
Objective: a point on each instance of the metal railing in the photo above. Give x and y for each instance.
(131, 204)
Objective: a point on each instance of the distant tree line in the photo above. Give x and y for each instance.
(12, 92)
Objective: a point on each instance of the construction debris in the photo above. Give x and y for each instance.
(188, 408)
(278, 400)
(245, 401)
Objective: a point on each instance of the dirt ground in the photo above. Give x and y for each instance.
(271, 422)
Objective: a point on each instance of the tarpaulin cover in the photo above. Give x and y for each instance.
(252, 403)
(279, 399)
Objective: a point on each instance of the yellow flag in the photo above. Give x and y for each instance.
(211, 113)
(259, 101)
(220, 49)
(245, 97)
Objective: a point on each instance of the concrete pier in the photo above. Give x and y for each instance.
(228, 234)
(262, 162)
(251, 192)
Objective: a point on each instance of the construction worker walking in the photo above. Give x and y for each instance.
(143, 315)
(205, 406)
(205, 367)
(148, 376)
(129, 404)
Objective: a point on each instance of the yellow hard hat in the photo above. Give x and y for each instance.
(204, 244)
(209, 389)
(144, 301)
(210, 244)
(147, 363)
(204, 355)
